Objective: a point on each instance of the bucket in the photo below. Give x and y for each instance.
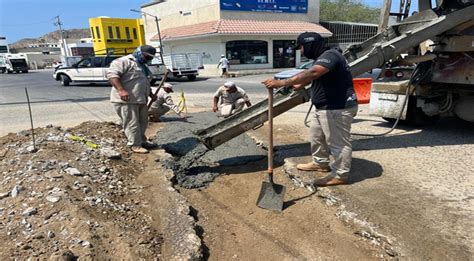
(362, 88)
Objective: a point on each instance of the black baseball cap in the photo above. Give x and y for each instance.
(148, 50)
(307, 37)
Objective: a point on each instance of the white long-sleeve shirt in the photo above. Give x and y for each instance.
(164, 99)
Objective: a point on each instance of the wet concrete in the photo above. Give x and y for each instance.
(193, 164)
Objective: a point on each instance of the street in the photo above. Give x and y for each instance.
(54, 104)
(411, 192)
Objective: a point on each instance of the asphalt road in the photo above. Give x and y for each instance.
(68, 106)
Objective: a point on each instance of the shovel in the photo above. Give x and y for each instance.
(271, 194)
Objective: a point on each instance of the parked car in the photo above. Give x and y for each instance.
(374, 74)
(87, 70)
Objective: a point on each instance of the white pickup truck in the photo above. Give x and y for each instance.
(93, 70)
(184, 64)
(87, 70)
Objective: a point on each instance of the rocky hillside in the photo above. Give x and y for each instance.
(52, 37)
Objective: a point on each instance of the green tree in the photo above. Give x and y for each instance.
(348, 11)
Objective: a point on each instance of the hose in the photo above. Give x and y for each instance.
(415, 77)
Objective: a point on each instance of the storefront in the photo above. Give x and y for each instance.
(258, 36)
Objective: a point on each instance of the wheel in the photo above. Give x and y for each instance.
(390, 120)
(416, 116)
(24, 71)
(9, 71)
(191, 77)
(65, 80)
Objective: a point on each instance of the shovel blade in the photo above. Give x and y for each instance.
(271, 196)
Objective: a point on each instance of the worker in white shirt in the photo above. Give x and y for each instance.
(230, 99)
(224, 65)
(163, 104)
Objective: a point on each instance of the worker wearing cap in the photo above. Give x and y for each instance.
(129, 76)
(333, 95)
(163, 103)
(224, 65)
(230, 99)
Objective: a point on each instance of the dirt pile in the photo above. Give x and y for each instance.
(69, 200)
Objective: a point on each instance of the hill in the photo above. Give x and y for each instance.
(52, 37)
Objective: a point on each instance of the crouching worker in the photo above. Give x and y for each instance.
(230, 99)
(163, 104)
(129, 78)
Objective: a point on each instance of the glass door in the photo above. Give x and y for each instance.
(283, 54)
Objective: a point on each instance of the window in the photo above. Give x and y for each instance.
(109, 59)
(247, 52)
(111, 33)
(98, 32)
(84, 63)
(117, 31)
(135, 33)
(127, 33)
(92, 32)
(97, 62)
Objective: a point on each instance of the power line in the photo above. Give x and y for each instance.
(44, 22)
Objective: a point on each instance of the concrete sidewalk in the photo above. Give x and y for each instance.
(240, 73)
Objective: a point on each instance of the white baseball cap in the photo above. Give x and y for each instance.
(229, 84)
(168, 85)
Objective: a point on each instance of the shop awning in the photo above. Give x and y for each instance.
(241, 27)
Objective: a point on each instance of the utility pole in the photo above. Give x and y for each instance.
(63, 43)
(384, 15)
(157, 28)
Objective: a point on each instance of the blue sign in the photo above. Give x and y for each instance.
(274, 6)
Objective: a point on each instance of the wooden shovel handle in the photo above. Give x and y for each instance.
(270, 131)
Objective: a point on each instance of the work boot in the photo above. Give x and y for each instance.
(149, 145)
(330, 180)
(311, 166)
(138, 149)
(155, 119)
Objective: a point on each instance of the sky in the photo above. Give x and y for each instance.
(33, 18)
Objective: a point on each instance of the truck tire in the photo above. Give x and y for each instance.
(65, 80)
(9, 71)
(416, 116)
(191, 77)
(24, 71)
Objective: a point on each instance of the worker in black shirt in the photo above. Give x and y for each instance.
(333, 95)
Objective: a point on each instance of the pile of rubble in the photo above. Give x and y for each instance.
(72, 195)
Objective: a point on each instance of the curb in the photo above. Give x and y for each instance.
(179, 228)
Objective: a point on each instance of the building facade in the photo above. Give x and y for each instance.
(253, 34)
(4, 45)
(116, 35)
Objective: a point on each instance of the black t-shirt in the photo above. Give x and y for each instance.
(334, 90)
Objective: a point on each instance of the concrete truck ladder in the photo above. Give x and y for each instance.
(371, 54)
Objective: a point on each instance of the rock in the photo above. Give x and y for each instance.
(74, 172)
(16, 190)
(64, 255)
(4, 194)
(103, 169)
(110, 153)
(30, 211)
(52, 137)
(53, 174)
(31, 149)
(63, 165)
(86, 243)
(53, 199)
(51, 234)
(38, 236)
